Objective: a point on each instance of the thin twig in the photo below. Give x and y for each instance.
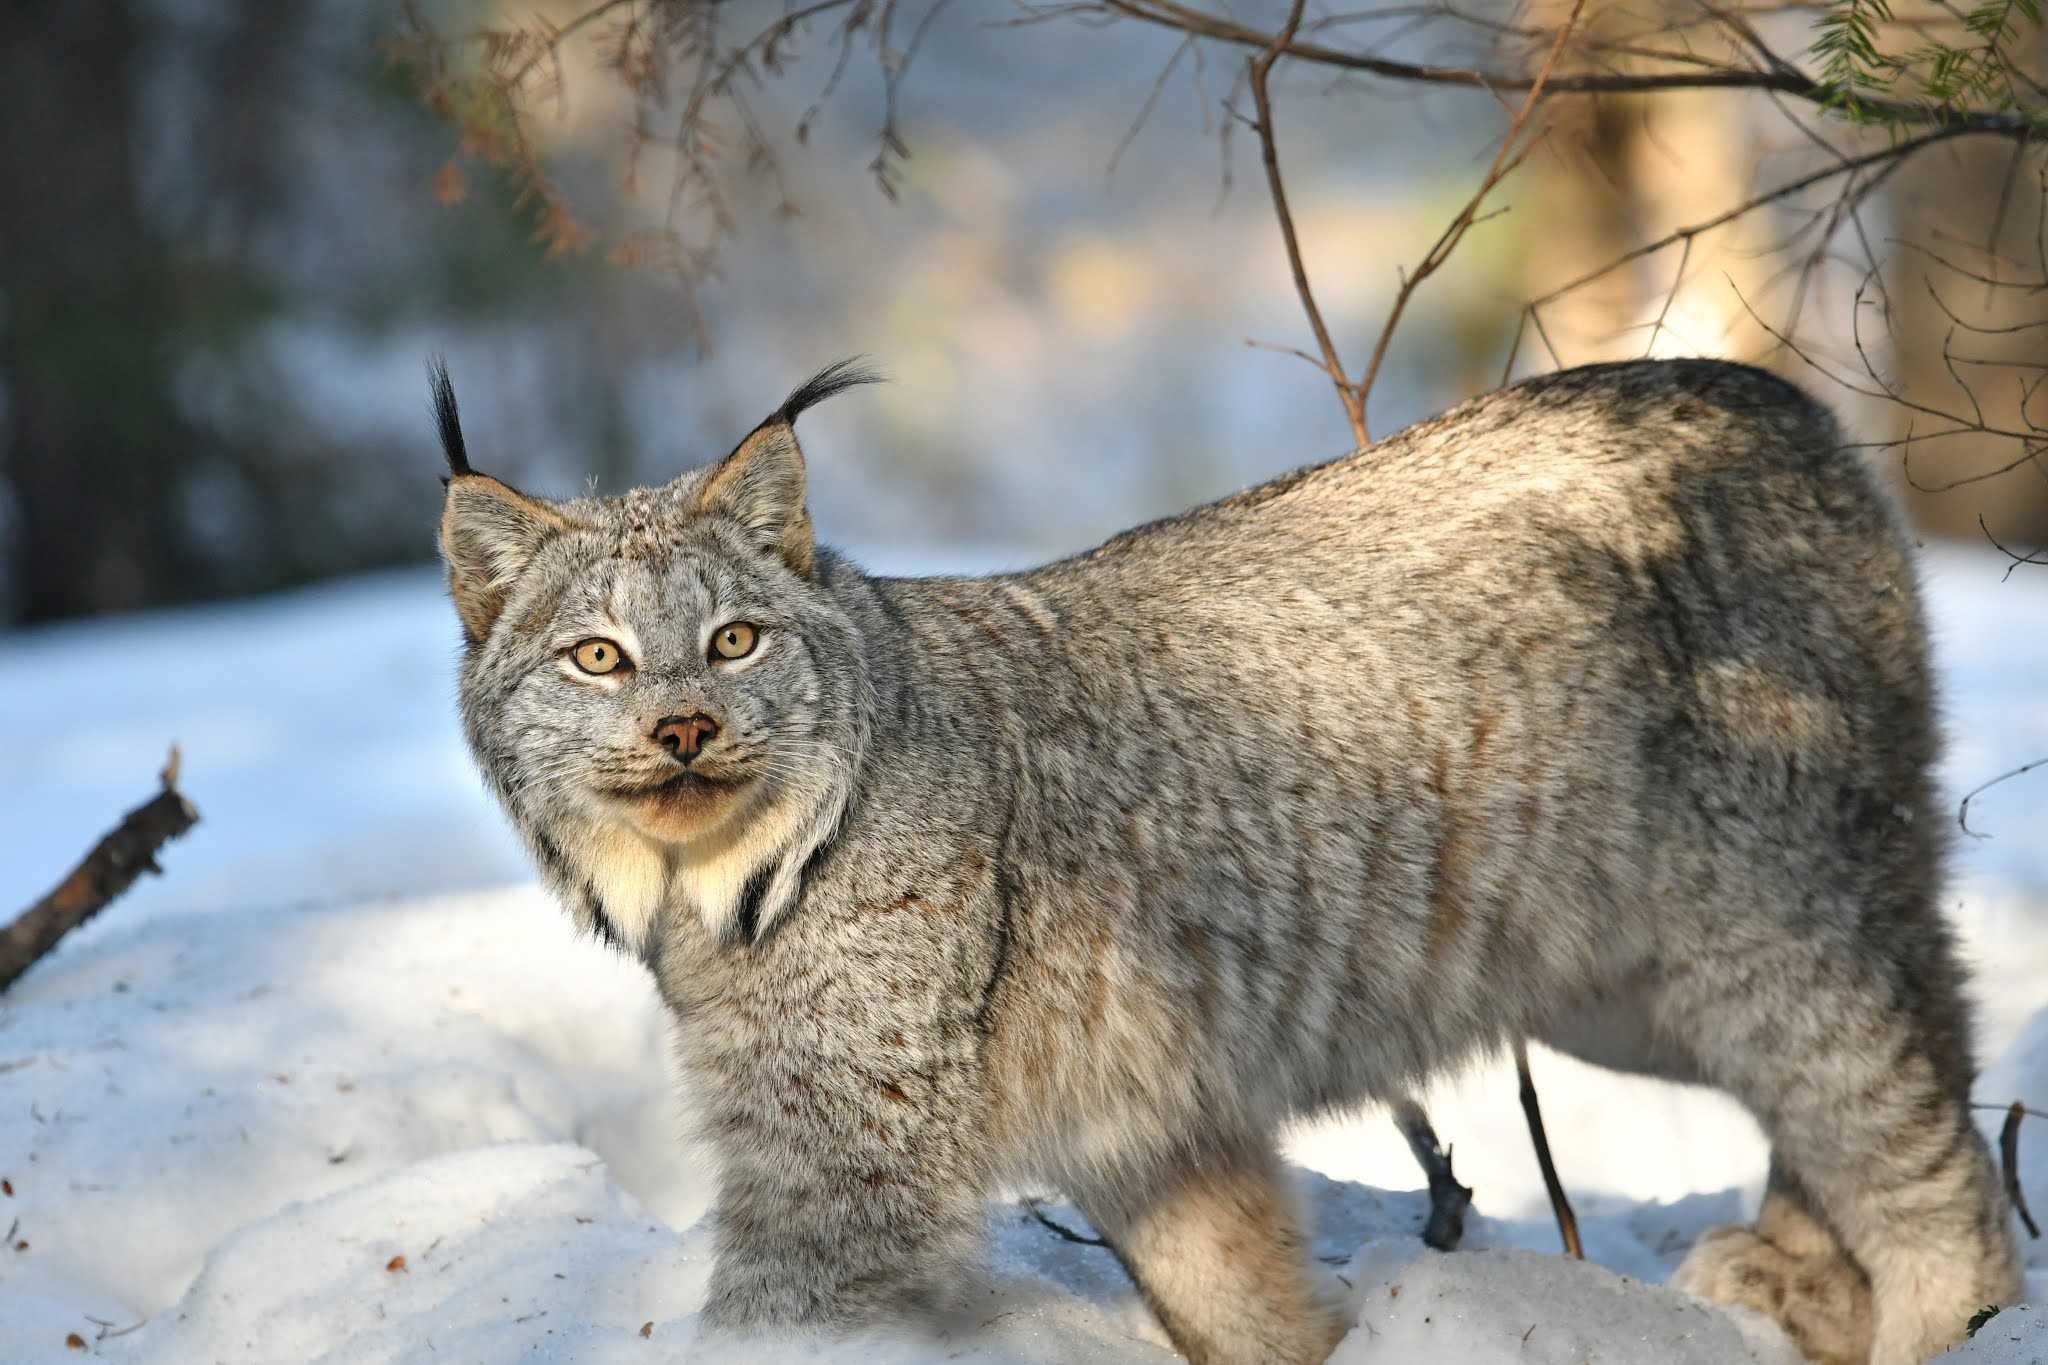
(1963, 810)
(1061, 1230)
(1670, 297)
(1504, 162)
(1567, 1221)
(2031, 445)
(2002, 1108)
(1897, 150)
(2009, 1166)
(1258, 69)
(1123, 145)
(2017, 560)
(549, 51)
(1255, 344)
(108, 1331)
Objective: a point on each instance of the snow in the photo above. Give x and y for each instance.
(1473, 1307)
(2017, 1336)
(344, 1029)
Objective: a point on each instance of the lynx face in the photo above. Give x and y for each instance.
(662, 698)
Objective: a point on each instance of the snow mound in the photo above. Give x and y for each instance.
(1508, 1307)
(494, 1253)
(168, 1086)
(519, 1251)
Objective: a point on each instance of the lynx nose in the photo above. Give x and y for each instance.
(684, 736)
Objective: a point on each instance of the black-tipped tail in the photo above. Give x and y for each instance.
(448, 419)
(835, 378)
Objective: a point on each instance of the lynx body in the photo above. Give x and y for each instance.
(1596, 711)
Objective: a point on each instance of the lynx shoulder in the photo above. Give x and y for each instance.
(1597, 710)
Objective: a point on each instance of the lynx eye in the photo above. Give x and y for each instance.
(597, 656)
(733, 641)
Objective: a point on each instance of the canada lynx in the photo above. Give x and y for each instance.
(1595, 711)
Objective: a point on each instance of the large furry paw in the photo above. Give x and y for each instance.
(1822, 1301)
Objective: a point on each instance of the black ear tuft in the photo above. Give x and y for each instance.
(834, 378)
(447, 418)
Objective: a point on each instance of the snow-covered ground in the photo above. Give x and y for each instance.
(341, 1086)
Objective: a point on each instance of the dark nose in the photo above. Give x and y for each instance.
(683, 736)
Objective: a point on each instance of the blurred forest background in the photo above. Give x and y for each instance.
(231, 232)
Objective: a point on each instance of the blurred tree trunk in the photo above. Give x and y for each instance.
(1949, 202)
(1619, 171)
(94, 439)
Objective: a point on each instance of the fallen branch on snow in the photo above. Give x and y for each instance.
(1058, 1229)
(125, 853)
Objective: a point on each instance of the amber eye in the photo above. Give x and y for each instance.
(734, 641)
(597, 656)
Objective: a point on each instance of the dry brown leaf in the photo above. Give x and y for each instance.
(451, 186)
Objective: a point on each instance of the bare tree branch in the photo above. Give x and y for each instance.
(1780, 76)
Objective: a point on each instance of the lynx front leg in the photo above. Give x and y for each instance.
(842, 1096)
(1217, 1250)
(842, 1200)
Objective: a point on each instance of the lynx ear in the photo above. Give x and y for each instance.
(490, 532)
(761, 484)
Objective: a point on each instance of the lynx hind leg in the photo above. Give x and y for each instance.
(1791, 1269)
(1862, 1084)
(1216, 1247)
(1931, 1227)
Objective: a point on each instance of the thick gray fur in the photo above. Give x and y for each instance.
(1597, 711)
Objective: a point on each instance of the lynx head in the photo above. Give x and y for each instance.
(658, 686)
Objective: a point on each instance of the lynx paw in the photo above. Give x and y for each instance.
(1822, 1301)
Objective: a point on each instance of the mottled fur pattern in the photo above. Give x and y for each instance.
(1596, 711)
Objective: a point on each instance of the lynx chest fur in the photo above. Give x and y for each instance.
(1597, 711)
